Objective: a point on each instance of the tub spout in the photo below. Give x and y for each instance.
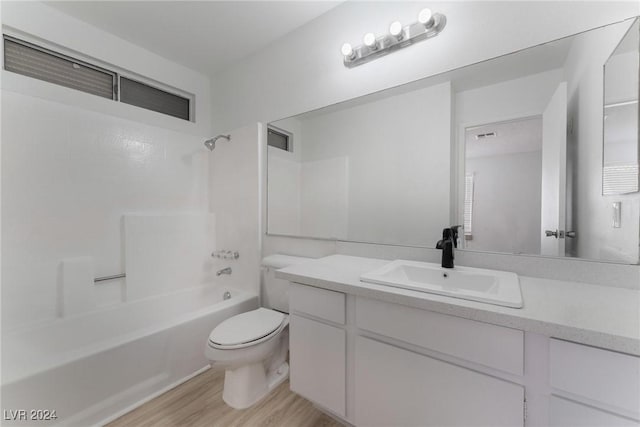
(224, 271)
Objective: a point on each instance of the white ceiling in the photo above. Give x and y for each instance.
(203, 35)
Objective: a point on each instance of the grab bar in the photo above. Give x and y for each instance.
(105, 278)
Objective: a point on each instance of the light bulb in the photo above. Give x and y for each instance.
(395, 29)
(347, 50)
(425, 17)
(370, 41)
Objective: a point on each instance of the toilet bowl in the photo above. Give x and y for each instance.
(252, 347)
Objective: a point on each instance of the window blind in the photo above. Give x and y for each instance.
(278, 139)
(151, 98)
(29, 60)
(468, 204)
(620, 178)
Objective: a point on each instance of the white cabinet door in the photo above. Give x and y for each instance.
(316, 302)
(489, 345)
(318, 358)
(564, 413)
(600, 375)
(396, 387)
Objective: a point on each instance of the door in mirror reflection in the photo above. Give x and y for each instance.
(554, 174)
(515, 180)
(503, 176)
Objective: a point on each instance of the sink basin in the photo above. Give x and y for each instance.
(476, 284)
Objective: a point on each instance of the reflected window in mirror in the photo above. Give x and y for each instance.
(620, 118)
(279, 138)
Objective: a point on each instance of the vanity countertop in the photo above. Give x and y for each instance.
(601, 316)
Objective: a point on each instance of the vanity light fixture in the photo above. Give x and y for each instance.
(428, 25)
(370, 41)
(347, 51)
(425, 17)
(395, 29)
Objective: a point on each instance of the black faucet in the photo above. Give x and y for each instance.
(447, 244)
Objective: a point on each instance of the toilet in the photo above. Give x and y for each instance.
(252, 347)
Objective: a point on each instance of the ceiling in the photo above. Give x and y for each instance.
(206, 36)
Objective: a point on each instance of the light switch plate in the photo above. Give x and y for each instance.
(617, 207)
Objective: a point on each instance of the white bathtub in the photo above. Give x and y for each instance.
(95, 367)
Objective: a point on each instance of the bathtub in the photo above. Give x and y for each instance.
(92, 368)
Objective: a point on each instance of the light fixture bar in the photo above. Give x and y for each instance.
(428, 25)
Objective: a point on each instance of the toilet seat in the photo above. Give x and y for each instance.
(247, 329)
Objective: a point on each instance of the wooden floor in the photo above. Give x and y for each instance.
(198, 402)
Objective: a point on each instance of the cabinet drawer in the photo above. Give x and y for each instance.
(563, 413)
(396, 387)
(601, 375)
(489, 345)
(318, 363)
(321, 303)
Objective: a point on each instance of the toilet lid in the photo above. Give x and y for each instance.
(246, 327)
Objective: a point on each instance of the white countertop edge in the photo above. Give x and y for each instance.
(502, 316)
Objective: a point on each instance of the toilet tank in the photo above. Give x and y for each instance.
(275, 292)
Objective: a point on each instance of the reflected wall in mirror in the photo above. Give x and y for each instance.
(620, 151)
(510, 147)
(371, 171)
(502, 195)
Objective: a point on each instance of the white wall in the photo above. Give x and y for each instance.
(506, 202)
(592, 214)
(73, 164)
(304, 71)
(236, 169)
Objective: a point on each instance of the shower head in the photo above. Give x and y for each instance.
(211, 143)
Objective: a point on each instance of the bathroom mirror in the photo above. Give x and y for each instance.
(511, 148)
(620, 142)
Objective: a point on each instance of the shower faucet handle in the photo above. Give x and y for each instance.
(225, 254)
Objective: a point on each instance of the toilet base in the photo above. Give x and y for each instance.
(248, 384)
(278, 376)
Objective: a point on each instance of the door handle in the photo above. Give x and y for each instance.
(560, 234)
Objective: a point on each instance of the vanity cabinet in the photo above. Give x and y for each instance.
(488, 345)
(317, 345)
(397, 384)
(592, 386)
(563, 413)
(378, 363)
(394, 386)
(317, 356)
(341, 362)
